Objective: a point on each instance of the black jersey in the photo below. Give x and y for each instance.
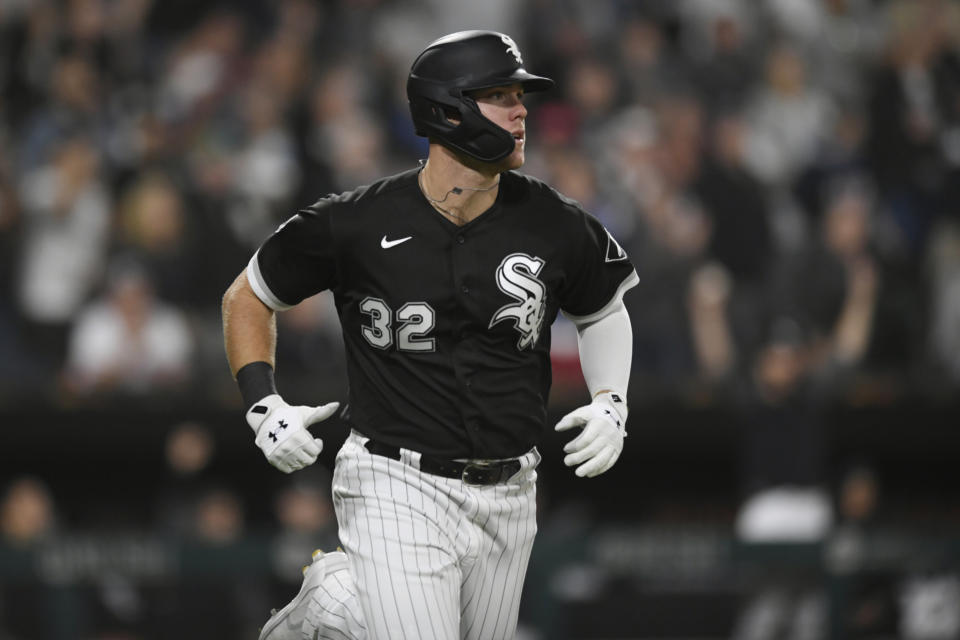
(446, 328)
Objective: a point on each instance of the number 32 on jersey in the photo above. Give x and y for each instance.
(414, 321)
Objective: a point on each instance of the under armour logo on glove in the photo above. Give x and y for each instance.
(273, 434)
(288, 445)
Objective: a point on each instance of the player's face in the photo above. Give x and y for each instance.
(504, 107)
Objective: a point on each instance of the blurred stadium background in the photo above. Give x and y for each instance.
(784, 173)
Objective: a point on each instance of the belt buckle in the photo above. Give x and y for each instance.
(477, 472)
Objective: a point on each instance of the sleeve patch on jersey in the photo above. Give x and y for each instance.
(615, 252)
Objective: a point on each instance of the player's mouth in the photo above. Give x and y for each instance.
(518, 138)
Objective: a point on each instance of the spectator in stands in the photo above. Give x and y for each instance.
(154, 226)
(595, 92)
(66, 231)
(784, 475)
(27, 512)
(647, 65)
(572, 169)
(788, 118)
(840, 158)
(264, 173)
(740, 237)
(28, 518)
(741, 249)
(840, 39)
(832, 285)
(882, 309)
(868, 604)
(681, 121)
(128, 341)
(720, 43)
(912, 101)
(184, 608)
(71, 107)
(218, 517)
(629, 161)
(188, 450)
(200, 72)
(345, 136)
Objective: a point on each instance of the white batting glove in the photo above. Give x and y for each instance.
(600, 442)
(281, 431)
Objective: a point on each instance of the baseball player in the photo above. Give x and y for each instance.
(446, 279)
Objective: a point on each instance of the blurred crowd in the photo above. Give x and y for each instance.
(783, 173)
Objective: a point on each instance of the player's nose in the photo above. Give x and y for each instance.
(519, 111)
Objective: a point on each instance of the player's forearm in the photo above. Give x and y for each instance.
(606, 352)
(249, 326)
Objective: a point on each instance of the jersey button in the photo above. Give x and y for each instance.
(460, 239)
(464, 289)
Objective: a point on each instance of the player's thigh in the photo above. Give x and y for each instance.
(491, 586)
(407, 579)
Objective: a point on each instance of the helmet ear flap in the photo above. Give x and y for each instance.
(449, 114)
(462, 128)
(465, 108)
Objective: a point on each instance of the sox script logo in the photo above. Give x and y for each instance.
(517, 277)
(512, 48)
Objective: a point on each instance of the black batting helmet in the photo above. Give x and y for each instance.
(446, 71)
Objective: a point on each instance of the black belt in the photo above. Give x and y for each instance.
(480, 472)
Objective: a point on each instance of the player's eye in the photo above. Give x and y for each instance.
(500, 96)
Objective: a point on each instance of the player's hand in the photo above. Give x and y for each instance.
(600, 442)
(281, 431)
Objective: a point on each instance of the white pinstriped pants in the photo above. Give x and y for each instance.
(433, 558)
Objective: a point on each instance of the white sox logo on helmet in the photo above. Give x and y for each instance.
(516, 277)
(512, 48)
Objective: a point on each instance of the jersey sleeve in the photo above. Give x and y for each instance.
(599, 272)
(297, 261)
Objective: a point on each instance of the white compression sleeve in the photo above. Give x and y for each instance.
(606, 351)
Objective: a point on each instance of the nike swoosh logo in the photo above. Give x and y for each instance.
(386, 244)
